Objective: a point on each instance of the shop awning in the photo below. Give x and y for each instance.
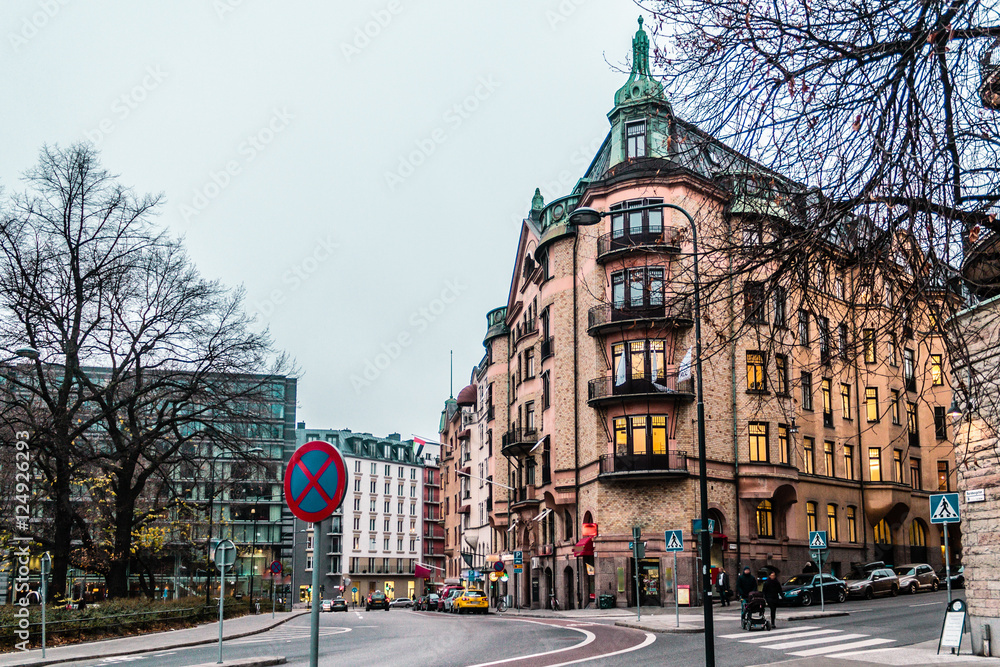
(584, 547)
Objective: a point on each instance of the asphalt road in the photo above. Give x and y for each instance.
(408, 638)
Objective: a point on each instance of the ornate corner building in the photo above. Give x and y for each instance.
(821, 414)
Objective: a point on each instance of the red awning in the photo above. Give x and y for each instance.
(584, 547)
(421, 572)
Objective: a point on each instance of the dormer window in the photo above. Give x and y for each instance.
(635, 138)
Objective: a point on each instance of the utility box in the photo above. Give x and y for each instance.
(605, 601)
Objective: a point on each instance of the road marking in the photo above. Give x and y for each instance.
(650, 638)
(788, 635)
(835, 649)
(773, 632)
(816, 640)
(868, 652)
(926, 604)
(588, 638)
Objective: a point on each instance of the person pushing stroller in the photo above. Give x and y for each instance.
(745, 585)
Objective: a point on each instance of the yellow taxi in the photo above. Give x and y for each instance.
(472, 601)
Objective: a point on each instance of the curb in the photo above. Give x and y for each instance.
(664, 630)
(56, 661)
(265, 661)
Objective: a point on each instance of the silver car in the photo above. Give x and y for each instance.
(916, 576)
(882, 581)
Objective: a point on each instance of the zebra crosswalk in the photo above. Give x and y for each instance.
(809, 640)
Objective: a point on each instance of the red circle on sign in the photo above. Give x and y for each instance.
(498, 566)
(313, 473)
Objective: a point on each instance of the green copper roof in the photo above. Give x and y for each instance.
(640, 84)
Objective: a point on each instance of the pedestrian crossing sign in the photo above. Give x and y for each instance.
(944, 508)
(817, 539)
(674, 540)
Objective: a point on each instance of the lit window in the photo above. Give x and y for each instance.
(809, 453)
(874, 464)
(868, 339)
(871, 403)
(937, 374)
(943, 481)
(915, 473)
(881, 533)
(852, 525)
(783, 452)
(758, 441)
(828, 458)
(831, 523)
(897, 466)
(845, 400)
(849, 461)
(765, 519)
(756, 379)
(811, 516)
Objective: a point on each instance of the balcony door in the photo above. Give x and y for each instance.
(639, 366)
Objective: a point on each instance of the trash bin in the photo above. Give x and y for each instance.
(605, 601)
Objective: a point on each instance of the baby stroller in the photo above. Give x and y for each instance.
(754, 610)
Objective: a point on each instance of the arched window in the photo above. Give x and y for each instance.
(881, 533)
(918, 536)
(765, 519)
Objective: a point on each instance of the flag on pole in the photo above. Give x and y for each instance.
(684, 372)
(418, 446)
(538, 444)
(620, 372)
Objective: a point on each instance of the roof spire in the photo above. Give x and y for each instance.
(640, 51)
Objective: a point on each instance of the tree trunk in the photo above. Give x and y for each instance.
(121, 554)
(62, 537)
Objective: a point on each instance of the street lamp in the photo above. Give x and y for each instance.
(585, 216)
(211, 513)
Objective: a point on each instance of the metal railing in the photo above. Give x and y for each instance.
(609, 313)
(671, 461)
(666, 238)
(610, 386)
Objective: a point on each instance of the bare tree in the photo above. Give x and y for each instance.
(144, 364)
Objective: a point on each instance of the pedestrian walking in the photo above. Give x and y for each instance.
(772, 593)
(745, 585)
(722, 586)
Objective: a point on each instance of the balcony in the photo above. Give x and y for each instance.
(672, 464)
(609, 317)
(548, 347)
(608, 390)
(518, 441)
(611, 245)
(524, 497)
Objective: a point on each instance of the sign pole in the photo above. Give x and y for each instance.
(222, 596)
(46, 561)
(947, 561)
(822, 600)
(314, 616)
(677, 606)
(272, 595)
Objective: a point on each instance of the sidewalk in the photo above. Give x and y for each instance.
(157, 641)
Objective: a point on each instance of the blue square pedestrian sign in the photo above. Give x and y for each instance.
(817, 539)
(674, 540)
(944, 508)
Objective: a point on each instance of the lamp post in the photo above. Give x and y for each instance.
(253, 550)
(211, 515)
(585, 216)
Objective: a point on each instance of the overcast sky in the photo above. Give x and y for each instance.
(360, 167)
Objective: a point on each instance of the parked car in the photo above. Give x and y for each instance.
(403, 603)
(957, 576)
(449, 599)
(804, 589)
(326, 605)
(376, 600)
(916, 576)
(876, 582)
(432, 603)
(339, 604)
(418, 603)
(472, 601)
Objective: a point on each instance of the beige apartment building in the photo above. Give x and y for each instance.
(825, 410)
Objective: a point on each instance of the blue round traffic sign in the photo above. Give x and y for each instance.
(315, 481)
